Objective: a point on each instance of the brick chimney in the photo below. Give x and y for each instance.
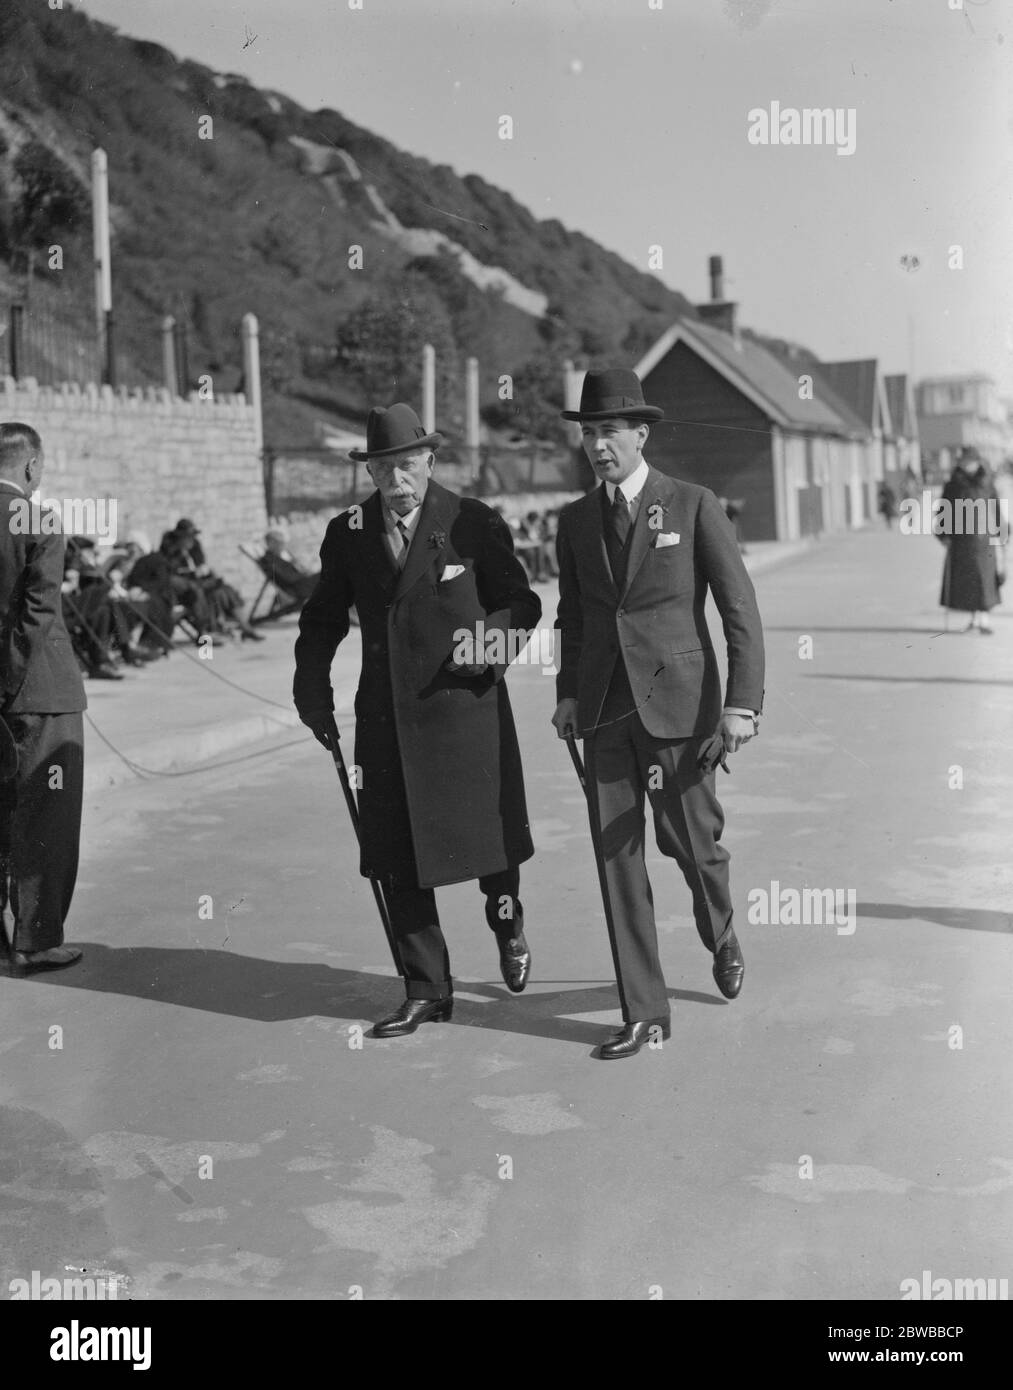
(719, 312)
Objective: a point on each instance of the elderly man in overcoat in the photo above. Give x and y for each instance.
(42, 700)
(441, 793)
(638, 681)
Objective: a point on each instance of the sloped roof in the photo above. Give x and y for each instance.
(855, 382)
(756, 372)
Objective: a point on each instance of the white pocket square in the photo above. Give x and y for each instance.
(451, 572)
(666, 538)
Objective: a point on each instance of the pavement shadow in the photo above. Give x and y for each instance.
(903, 631)
(964, 918)
(266, 991)
(902, 680)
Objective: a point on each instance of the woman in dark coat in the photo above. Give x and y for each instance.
(969, 521)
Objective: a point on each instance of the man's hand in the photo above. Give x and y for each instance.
(322, 725)
(565, 718)
(458, 668)
(736, 729)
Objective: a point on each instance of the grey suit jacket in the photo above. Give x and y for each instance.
(682, 544)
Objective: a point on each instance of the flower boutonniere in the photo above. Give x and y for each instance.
(438, 540)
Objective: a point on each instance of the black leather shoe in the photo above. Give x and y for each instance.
(55, 958)
(514, 962)
(729, 968)
(631, 1038)
(411, 1013)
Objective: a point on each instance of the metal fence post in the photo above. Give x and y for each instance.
(16, 329)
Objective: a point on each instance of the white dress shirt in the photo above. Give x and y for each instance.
(392, 535)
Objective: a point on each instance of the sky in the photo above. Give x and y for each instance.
(631, 123)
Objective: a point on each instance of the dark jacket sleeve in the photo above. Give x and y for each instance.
(323, 624)
(37, 605)
(722, 566)
(511, 605)
(569, 615)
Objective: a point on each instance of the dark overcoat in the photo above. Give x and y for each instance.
(39, 673)
(442, 792)
(970, 582)
(682, 545)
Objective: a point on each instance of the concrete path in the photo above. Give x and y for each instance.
(213, 1125)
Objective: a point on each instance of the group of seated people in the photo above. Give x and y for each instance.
(535, 543)
(122, 608)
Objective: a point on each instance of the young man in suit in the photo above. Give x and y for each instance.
(41, 701)
(441, 798)
(638, 681)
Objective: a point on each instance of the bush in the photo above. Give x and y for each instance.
(52, 197)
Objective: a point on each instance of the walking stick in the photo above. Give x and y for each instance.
(353, 811)
(599, 858)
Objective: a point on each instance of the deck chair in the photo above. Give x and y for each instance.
(283, 601)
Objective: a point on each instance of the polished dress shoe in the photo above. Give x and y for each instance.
(514, 962)
(411, 1013)
(104, 671)
(631, 1038)
(56, 958)
(729, 968)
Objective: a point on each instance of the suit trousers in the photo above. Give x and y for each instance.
(625, 764)
(415, 922)
(40, 826)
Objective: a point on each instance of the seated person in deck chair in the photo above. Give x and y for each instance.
(282, 569)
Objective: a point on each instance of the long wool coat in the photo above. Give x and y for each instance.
(442, 791)
(969, 570)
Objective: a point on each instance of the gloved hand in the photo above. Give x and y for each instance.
(322, 725)
(712, 753)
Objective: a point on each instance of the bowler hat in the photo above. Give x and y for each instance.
(614, 391)
(392, 431)
(186, 527)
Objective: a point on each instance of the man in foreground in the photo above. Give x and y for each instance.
(441, 795)
(638, 681)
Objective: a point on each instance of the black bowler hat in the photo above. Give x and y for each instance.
(614, 391)
(392, 431)
(186, 527)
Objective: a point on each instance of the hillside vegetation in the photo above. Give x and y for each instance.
(261, 218)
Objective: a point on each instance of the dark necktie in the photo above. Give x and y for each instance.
(620, 517)
(617, 532)
(402, 559)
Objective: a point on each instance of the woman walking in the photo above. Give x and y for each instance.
(972, 567)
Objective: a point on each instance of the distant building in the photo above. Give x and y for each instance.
(954, 411)
(904, 421)
(781, 437)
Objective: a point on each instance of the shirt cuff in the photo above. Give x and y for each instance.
(748, 713)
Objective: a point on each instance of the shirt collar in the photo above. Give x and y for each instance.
(632, 486)
(10, 483)
(409, 521)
